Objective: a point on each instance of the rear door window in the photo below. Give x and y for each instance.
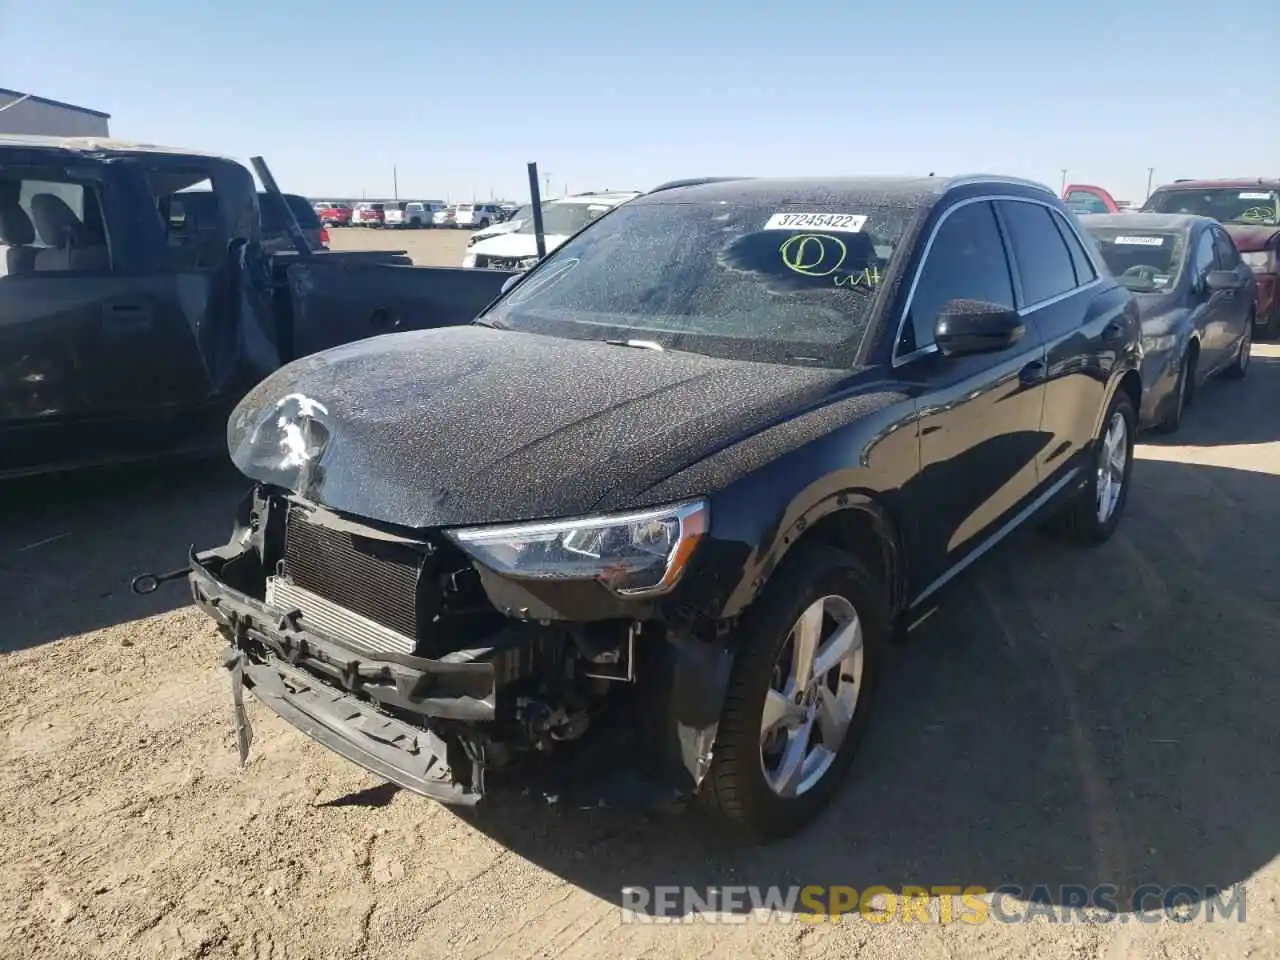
(50, 223)
(1044, 263)
(1079, 259)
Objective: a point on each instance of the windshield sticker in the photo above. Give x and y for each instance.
(1140, 241)
(839, 222)
(813, 254)
(1254, 195)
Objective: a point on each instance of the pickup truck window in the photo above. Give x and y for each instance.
(50, 224)
(188, 209)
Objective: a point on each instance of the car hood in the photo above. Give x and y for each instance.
(1251, 237)
(497, 230)
(469, 424)
(515, 245)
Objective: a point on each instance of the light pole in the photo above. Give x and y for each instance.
(1150, 173)
(395, 184)
(1064, 180)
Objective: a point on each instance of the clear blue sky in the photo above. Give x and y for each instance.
(460, 95)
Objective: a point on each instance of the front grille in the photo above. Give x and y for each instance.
(373, 578)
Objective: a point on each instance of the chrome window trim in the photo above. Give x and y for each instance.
(896, 359)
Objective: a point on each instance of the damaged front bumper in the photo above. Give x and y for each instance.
(268, 649)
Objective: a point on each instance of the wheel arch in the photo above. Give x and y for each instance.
(856, 521)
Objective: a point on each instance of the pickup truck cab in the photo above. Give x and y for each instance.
(138, 301)
(333, 213)
(1082, 198)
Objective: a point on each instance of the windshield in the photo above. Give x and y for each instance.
(1144, 261)
(1085, 201)
(716, 279)
(565, 218)
(1233, 205)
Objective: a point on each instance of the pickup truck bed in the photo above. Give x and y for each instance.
(128, 331)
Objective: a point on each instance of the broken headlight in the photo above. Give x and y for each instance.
(633, 554)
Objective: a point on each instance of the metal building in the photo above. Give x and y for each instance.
(26, 113)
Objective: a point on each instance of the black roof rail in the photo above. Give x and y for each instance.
(693, 182)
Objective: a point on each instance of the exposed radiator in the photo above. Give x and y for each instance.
(359, 632)
(374, 579)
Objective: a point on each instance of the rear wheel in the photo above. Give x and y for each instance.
(484, 224)
(806, 668)
(1095, 513)
(1238, 369)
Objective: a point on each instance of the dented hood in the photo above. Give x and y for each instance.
(473, 425)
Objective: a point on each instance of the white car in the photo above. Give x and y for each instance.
(510, 225)
(478, 215)
(414, 214)
(444, 217)
(518, 249)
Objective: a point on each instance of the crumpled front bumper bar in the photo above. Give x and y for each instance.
(402, 752)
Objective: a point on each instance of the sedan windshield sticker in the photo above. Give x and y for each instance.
(839, 222)
(1141, 241)
(1254, 195)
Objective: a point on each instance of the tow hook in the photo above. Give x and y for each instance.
(145, 583)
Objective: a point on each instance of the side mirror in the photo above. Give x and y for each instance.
(510, 282)
(1221, 280)
(976, 326)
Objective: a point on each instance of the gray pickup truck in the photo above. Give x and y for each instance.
(132, 322)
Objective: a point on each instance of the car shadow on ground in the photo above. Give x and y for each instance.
(69, 545)
(1065, 717)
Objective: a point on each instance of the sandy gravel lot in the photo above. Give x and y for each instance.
(1064, 718)
(438, 248)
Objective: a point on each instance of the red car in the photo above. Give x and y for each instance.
(1249, 209)
(1086, 198)
(333, 214)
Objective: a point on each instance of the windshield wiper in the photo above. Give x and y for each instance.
(491, 324)
(638, 344)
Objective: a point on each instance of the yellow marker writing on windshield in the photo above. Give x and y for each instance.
(813, 254)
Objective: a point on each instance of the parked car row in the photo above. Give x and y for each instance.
(513, 244)
(1248, 210)
(411, 214)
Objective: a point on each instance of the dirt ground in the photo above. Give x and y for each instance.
(1065, 717)
(436, 248)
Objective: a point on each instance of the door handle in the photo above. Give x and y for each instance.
(1037, 371)
(127, 318)
(1113, 330)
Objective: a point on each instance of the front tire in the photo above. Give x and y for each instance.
(1238, 369)
(1181, 398)
(807, 664)
(1092, 517)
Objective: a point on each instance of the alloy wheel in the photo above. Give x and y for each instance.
(809, 706)
(1113, 458)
